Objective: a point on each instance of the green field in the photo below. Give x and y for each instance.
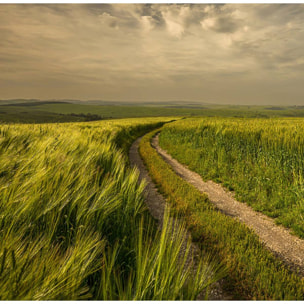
(262, 160)
(35, 111)
(254, 272)
(73, 224)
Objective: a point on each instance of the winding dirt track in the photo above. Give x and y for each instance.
(156, 204)
(276, 238)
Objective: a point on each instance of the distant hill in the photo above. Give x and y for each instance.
(33, 104)
(175, 104)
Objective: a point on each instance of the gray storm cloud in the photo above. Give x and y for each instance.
(233, 53)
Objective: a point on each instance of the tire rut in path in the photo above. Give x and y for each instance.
(278, 239)
(156, 204)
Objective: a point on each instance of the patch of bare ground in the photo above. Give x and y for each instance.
(278, 239)
(156, 204)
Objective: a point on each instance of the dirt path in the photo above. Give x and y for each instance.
(277, 238)
(156, 204)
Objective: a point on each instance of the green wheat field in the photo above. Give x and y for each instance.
(74, 225)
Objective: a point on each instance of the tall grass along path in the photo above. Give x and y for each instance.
(157, 204)
(277, 238)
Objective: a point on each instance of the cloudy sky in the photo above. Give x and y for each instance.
(233, 53)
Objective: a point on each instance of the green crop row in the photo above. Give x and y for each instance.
(262, 160)
(253, 271)
(73, 223)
